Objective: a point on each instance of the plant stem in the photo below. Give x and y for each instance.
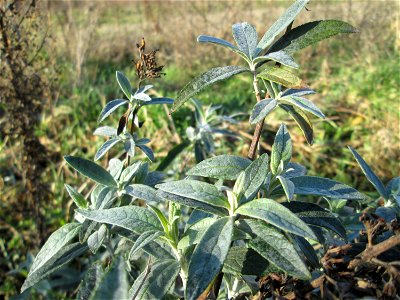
(257, 132)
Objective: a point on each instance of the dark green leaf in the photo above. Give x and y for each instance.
(280, 25)
(172, 154)
(281, 75)
(194, 233)
(244, 261)
(304, 104)
(312, 185)
(308, 251)
(144, 239)
(204, 80)
(276, 214)
(301, 120)
(91, 170)
(294, 170)
(298, 92)
(110, 107)
(220, 167)
(90, 281)
(147, 151)
(143, 192)
(79, 200)
(208, 257)
(310, 33)
(162, 100)
(261, 110)
(369, 173)
(134, 218)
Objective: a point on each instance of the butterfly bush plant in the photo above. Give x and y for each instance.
(233, 219)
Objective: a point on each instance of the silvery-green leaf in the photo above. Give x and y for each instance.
(208, 257)
(90, 281)
(393, 189)
(153, 178)
(143, 192)
(105, 131)
(279, 56)
(254, 177)
(129, 172)
(196, 190)
(221, 42)
(204, 80)
(124, 84)
(155, 281)
(281, 149)
(105, 197)
(303, 104)
(105, 148)
(318, 186)
(276, 214)
(114, 285)
(79, 200)
(129, 147)
(144, 239)
(142, 172)
(369, 173)
(147, 150)
(288, 17)
(246, 37)
(59, 259)
(220, 167)
(310, 33)
(115, 167)
(294, 170)
(281, 75)
(133, 218)
(245, 261)
(261, 110)
(90, 170)
(196, 216)
(194, 233)
(141, 97)
(274, 246)
(298, 92)
(301, 120)
(288, 187)
(162, 100)
(96, 239)
(110, 107)
(143, 89)
(315, 215)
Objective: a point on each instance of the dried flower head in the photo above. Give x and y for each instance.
(146, 66)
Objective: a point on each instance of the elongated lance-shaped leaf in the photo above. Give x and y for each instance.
(208, 257)
(318, 186)
(172, 154)
(223, 43)
(276, 214)
(287, 186)
(92, 279)
(96, 239)
(288, 17)
(143, 192)
(313, 214)
(262, 109)
(110, 107)
(281, 149)
(147, 151)
(282, 75)
(59, 259)
(246, 37)
(204, 80)
(114, 285)
(302, 121)
(309, 253)
(144, 239)
(105, 148)
(134, 218)
(54, 244)
(105, 131)
(275, 247)
(297, 92)
(254, 177)
(369, 173)
(304, 104)
(220, 167)
(309, 34)
(196, 190)
(194, 233)
(115, 167)
(91, 170)
(79, 200)
(142, 97)
(124, 84)
(279, 57)
(155, 281)
(162, 100)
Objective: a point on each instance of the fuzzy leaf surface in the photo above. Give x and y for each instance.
(279, 57)
(246, 37)
(110, 107)
(143, 192)
(281, 75)
(79, 200)
(262, 109)
(281, 149)
(302, 121)
(124, 84)
(304, 104)
(105, 148)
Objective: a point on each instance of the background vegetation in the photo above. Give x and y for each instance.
(356, 78)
